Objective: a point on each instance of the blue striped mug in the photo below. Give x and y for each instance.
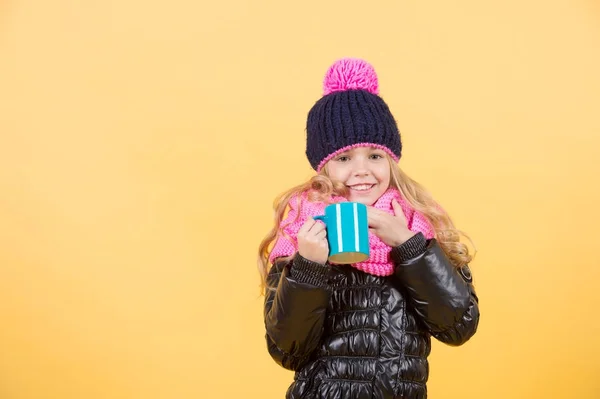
(347, 232)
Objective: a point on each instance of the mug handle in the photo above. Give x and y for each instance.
(322, 218)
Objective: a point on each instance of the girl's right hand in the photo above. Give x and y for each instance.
(312, 241)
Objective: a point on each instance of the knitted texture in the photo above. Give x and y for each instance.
(350, 74)
(379, 262)
(350, 113)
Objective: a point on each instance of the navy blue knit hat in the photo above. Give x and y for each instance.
(350, 114)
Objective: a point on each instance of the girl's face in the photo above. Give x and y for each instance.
(364, 170)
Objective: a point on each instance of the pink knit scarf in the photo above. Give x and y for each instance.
(379, 262)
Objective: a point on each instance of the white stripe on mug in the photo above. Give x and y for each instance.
(356, 244)
(338, 214)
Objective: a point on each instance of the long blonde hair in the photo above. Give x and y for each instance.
(320, 188)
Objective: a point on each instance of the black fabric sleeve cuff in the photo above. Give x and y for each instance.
(414, 246)
(309, 272)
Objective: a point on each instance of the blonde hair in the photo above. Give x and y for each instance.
(320, 188)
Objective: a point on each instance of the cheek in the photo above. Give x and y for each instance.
(337, 172)
(383, 176)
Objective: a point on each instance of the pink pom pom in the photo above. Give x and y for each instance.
(350, 74)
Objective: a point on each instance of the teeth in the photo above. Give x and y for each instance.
(362, 187)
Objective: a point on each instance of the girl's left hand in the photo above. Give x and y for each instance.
(391, 229)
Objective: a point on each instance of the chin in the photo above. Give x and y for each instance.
(367, 198)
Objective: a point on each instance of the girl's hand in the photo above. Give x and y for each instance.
(391, 229)
(312, 241)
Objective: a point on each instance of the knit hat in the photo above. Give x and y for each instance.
(350, 114)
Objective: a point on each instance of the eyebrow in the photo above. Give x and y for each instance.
(371, 149)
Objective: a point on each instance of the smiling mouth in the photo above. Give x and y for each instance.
(361, 187)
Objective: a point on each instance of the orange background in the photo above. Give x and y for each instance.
(142, 144)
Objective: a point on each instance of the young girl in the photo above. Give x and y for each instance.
(362, 330)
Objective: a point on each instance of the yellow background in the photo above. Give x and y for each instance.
(142, 143)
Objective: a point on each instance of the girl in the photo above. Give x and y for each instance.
(362, 330)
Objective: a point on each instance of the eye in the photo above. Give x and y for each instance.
(343, 158)
(376, 156)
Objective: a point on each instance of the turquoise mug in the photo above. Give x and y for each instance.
(347, 232)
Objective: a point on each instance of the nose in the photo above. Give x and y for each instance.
(360, 167)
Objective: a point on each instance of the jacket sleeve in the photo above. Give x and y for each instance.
(442, 295)
(295, 309)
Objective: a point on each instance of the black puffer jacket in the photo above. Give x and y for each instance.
(349, 334)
